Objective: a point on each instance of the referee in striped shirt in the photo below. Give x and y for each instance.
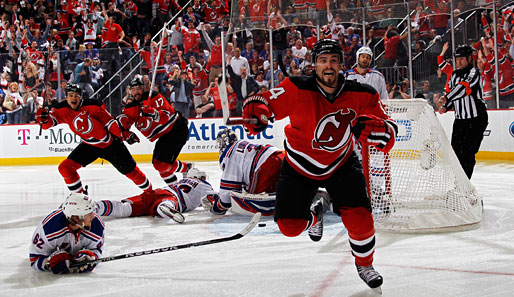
(465, 97)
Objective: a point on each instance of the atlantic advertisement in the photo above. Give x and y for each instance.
(29, 141)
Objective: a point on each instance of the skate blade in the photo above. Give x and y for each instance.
(176, 216)
(377, 290)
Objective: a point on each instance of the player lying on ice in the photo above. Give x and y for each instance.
(245, 166)
(71, 234)
(325, 112)
(169, 202)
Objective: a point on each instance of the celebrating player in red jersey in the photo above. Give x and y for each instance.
(157, 120)
(325, 112)
(100, 134)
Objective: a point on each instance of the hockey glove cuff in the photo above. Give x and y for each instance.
(42, 116)
(213, 203)
(372, 130)
(84, 256)
(256, 107)
(59, 262)
(130, 137)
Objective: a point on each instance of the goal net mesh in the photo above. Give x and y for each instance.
(419, 186)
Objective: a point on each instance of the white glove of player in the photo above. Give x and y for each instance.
(213, 203)
(84, 256)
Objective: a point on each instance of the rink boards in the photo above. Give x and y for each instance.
(24, 145)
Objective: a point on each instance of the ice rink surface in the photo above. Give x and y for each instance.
(478, 262)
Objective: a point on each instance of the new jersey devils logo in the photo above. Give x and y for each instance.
(143, 124)
(83, 123)
(333, 130)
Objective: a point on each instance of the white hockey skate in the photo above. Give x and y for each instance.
(316, 230)
(168, 209)
(371, 277)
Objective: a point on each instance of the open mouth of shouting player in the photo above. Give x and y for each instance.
(137, 92)
(73, 99)
(327, 67)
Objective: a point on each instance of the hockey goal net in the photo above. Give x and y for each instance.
(419, 186)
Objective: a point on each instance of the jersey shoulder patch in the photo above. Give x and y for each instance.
(354, 86)
(62, 104)
(54, 222)
(87, 102)
(373, 70)
(304, 82)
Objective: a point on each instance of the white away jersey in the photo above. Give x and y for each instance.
(373, 78)
(239, 164)
(53, 233)
(190, 191)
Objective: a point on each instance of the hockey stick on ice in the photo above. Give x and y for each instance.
(255, 219)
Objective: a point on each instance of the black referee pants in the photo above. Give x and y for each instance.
(467, 136)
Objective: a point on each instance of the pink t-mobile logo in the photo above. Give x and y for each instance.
(25, 135)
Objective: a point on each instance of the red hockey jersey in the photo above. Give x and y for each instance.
(151, 129)
(319, 138)
(92, 122)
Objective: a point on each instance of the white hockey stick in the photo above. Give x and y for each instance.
(156, 64)
(248, 228)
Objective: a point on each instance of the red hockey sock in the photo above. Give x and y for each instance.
(167, 171)
(361, 233)
(139, 178)
(68, 169)
(140, 205)
(292, 227)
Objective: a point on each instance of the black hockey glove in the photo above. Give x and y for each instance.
(150, 112)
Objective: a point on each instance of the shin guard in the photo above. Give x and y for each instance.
(139, 178)
(68, 169)
(361, 233)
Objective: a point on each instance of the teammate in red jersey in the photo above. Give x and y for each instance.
(101, 138)
(157, 120)
(325, 112)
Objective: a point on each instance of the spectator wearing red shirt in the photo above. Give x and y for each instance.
(391, 42)
(256, 60)
(213, 12)
(441, 17)
(63, 24)
(257, 9)
(216, 53)
(192, 41)
(112, 35)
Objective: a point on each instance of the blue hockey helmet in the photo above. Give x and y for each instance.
(225, 139)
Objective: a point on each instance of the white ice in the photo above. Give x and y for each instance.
(478, 262)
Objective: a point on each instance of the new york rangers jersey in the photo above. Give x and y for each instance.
(190, 191)
(54, 233)
(373, 78)
(152, 129)
(239, 164)
(92, 122)
(319, 137)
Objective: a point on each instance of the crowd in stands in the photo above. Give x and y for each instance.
(87, 41)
